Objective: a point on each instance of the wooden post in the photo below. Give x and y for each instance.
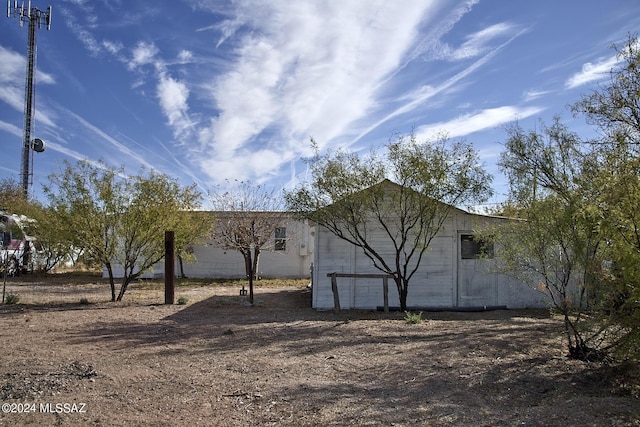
(169, 267)
(385, 290)
(336, 297)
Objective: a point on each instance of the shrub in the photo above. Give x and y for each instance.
(12, 299)
(183, 300)
(413, 318)
(84, 301)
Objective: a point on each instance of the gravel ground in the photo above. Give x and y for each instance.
(217, 362)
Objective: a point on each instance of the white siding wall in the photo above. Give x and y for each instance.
(332, 255)
(433, 285)
(294, 262)
(521, 295)
(217, 263)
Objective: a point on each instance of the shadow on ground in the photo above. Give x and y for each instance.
(285, 319)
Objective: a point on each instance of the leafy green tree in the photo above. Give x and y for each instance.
(120, 220)
(555, 243)
(11, 196)
(247, 218)
(87, 200)
(578, 238)
(351, 196)
(615, 110)
(51, 246)
(580, 202)
(616, 205)
(614, 184)
(156, 204)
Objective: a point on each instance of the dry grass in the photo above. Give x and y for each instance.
(91, 286)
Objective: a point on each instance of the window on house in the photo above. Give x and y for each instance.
(473, 248)
(281, 239)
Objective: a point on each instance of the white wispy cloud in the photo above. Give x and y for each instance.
(532, 95)
(84, 27)
(82, 34)
(144, 53)
(173, 96)
(479, 43)
(81, 157)
(66, 151)
(422, 94)
(12, 64)
(178, 165)
(11, 128)
(12, 77)
(13, 96)
(591, 72)
(185, 56)
(113, 47)
(247, 165)
(431, 44)
(125, 152)
(470, 123)
(303, 68)
(298, 69)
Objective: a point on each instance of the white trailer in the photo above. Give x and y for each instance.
(20, 253)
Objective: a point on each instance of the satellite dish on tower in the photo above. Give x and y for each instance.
(38, 145)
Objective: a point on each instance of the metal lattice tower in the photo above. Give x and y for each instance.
(36, 18)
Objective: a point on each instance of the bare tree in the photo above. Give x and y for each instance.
(248, 218)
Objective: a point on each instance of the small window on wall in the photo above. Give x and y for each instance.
(472, 248)
(281, 239)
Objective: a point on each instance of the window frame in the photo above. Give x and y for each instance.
(280, 239)
(472, 247)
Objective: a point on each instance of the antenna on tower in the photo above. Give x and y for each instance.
(36, 18)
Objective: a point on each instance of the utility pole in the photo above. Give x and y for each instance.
(36, 18)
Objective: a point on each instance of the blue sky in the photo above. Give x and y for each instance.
(211, 90)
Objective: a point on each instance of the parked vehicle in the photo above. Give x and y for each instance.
(20, 253)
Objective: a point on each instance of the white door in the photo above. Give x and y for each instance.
(477, 284)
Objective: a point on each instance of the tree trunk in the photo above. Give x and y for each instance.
(402, 292)
(247, 262)
(181, 264)
(251, 275)
(111, 281)
(403, 300)
(123, 288)
(254, 272)
(256, 258)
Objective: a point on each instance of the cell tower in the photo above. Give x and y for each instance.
(36, 19)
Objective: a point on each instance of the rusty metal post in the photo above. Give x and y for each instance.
(169, 267)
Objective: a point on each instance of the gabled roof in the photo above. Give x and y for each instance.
(464, 211)
(395, 186)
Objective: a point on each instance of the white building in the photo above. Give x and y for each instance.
(288, 254)
(451, 274)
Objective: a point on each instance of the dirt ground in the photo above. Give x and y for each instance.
(217, 362)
